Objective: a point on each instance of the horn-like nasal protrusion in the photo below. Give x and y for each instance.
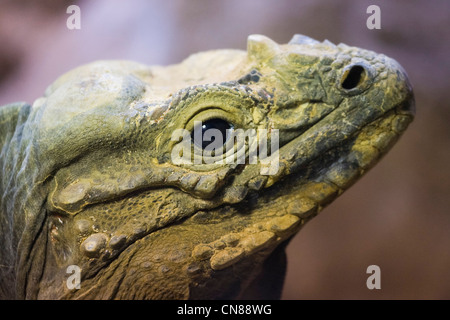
(301, 39)
(260, 47)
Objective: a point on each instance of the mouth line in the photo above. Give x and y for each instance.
(344, 162)
(404, 108)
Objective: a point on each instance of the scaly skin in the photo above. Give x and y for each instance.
(88, 178)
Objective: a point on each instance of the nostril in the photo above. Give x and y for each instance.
(353, 77)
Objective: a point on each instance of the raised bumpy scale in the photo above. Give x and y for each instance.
(88, 176)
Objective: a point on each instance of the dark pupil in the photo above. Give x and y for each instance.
(215, 123)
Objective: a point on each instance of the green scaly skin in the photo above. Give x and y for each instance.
(87, 177)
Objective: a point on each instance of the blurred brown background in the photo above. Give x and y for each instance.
(396, 217)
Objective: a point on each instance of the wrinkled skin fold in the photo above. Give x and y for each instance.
(87, 176)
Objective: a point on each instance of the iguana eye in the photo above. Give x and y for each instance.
(217, 124)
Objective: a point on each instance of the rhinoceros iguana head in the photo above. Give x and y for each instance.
(105, 174)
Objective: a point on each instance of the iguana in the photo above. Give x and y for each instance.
(88, 177)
